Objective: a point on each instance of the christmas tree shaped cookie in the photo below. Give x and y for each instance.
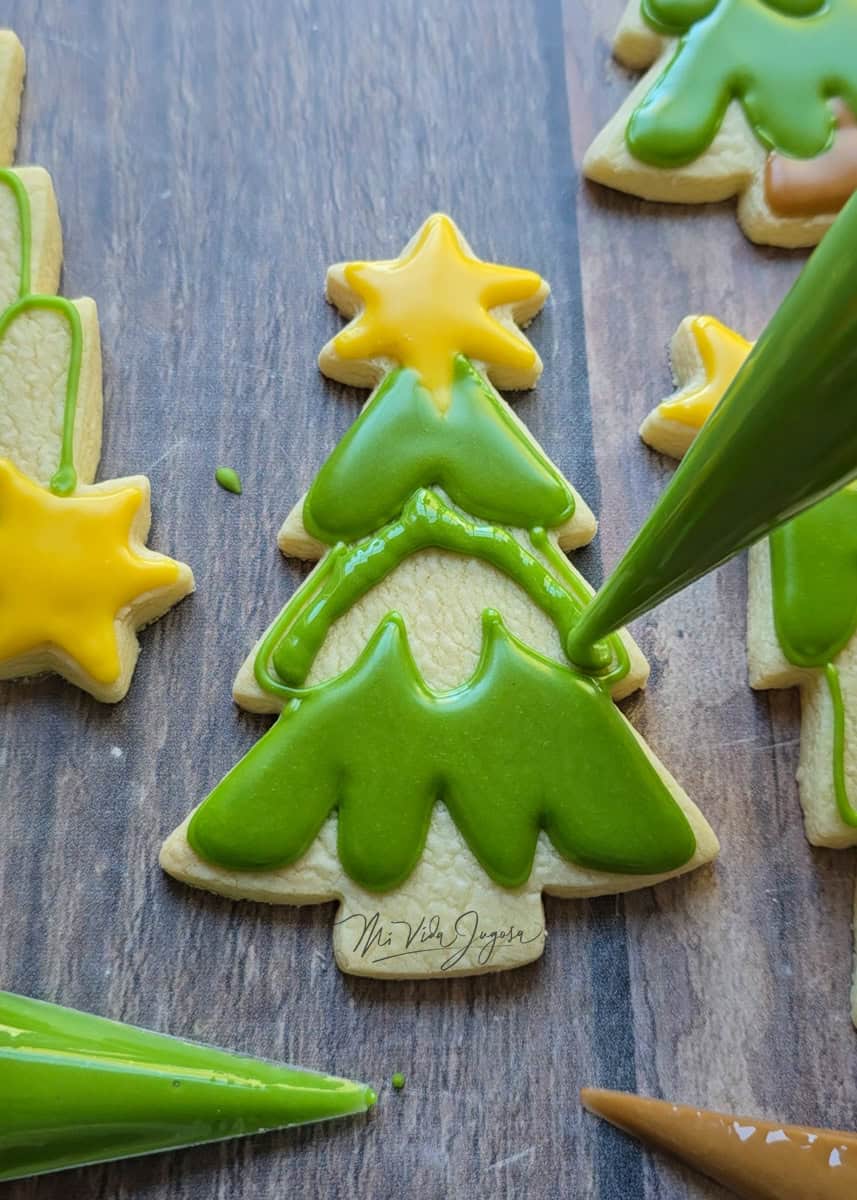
(437, 763)
(77, 578)
(802, 614)
(748, 98)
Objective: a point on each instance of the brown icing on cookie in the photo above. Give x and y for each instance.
(758, 1160)
(813, 187)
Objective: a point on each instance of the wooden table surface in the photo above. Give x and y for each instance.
(211, 158)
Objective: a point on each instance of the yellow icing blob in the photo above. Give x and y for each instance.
(68, 570)
(723, 352)
(433, 303)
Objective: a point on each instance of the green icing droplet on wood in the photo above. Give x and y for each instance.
(398, 1081)
(229, 479)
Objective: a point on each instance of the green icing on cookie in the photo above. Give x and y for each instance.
(525, 745)
(474, 450)
(814, 578)
(349, 572)
(783, 62)
(814, 571)
(64, 480)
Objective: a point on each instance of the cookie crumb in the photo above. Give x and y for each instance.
(229, 479)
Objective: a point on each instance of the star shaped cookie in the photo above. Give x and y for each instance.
(434, 301)
(706, 356)
(78, 580)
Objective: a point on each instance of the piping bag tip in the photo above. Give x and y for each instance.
(86, 1090)
(782, 438)
(757, 1159)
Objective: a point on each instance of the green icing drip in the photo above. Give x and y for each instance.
(64, 480)
(80, 1089)
(840, 786)
(13, 182)
(347, 573)
(782, 61)
(814, 578)
(814, 572)
(524, 745)
(229, 480)
(398, 1081)
(475, 451)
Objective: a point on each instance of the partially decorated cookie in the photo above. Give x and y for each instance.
(802, 613)
(437, 763)
(754, 1158)
(78, 580)
(749, 98)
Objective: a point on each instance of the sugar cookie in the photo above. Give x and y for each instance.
(437, 763)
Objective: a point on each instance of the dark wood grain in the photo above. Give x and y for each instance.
(210, 159)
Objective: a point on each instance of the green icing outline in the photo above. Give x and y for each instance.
(64, 479)
(347, 573)
(791, 591)
(846, 809)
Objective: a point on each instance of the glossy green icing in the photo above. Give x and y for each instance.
(847, 811)
(524, 745)
(814, 575)
(814, 578)
(674, 17)
(229, 480)
(398, 1081)
(781, 439)
(782, 62)
(349, 572)
(79, 1089)
(474, 450)
(64, 479)
(12, 181)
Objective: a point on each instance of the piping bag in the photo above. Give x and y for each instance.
(782, 438)
(77, 1089)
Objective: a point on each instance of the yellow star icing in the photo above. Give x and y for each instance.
(68, 569)
(434, 302)
(723, 352)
